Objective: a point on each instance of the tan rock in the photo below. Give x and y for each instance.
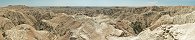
(5, 24)
(1, 36)
(25, 32)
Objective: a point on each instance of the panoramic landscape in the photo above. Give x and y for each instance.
(100, 22)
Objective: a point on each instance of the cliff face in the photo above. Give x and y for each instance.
(96, 23)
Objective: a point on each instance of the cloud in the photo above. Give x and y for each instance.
(153, 3)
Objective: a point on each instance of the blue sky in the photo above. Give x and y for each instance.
(98, 2)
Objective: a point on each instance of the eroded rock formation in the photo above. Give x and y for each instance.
(97, 23)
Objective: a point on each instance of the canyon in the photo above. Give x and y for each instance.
(20, 22)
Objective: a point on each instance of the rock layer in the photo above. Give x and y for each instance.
(21, 22)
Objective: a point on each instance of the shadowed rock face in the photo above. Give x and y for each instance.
(91, 23)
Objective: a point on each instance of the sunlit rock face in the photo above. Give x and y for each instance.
(21, 22)
(169, 32)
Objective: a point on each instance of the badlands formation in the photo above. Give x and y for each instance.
(20, 22)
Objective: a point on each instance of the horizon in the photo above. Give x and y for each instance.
(128, 3)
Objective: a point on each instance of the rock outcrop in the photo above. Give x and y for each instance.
(21, 22)
(169, 32)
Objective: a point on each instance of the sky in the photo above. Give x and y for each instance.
(98, 2)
